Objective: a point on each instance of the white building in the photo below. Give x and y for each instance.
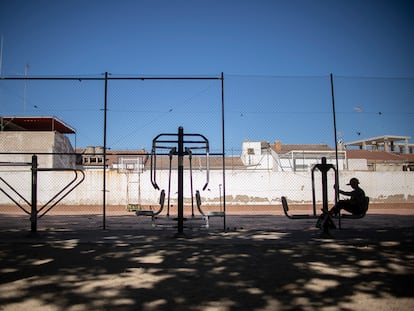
(21, 137)
(288, 158)
(387, 143)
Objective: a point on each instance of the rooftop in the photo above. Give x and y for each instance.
(387, 142)
(35, 124)
(382, 156)
(285, 148)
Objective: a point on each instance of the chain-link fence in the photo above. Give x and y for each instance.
(265, 134)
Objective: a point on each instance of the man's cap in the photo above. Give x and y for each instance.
(352, 181)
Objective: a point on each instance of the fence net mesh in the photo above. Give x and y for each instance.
(269, 123)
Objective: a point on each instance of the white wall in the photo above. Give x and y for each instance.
(357, 164)
(242, 187)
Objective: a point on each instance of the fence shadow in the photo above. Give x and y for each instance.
(255, 270)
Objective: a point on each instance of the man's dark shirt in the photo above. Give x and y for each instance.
(357, 196)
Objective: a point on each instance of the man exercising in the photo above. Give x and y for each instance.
(355, 204)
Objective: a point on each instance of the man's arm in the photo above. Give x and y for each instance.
(345, 192)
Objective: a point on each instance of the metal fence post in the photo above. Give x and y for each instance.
(104, 152)
(180, 180)
(33, 212)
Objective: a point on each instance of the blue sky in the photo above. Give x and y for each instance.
(276, 57)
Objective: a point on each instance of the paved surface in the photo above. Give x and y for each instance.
(260, 262)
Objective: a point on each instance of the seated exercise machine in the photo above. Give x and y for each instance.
(152, 213)
(295, 216)
(207, 215)
(324, 168)
(325, 221)
(180, 145)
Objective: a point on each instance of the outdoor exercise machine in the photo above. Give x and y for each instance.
(209, 214)
(295, 216)
(325, 220)
(180, 145)
(34, 212)
(151, 213)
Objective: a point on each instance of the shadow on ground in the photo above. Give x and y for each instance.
(359, 269)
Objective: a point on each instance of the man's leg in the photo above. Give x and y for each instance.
(351, 208)
(341, 204)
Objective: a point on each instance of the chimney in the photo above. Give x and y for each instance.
(278, 145)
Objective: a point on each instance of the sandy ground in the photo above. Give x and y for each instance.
(260, 262)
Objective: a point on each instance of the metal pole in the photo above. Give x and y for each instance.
(313, 191)
(324, 170)
(104, 153)
(223, 151)
(33, 213)
(336, 140)
(180, 180)
(139, 186)
(169, 182)
(220, 196)
(190, 159)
